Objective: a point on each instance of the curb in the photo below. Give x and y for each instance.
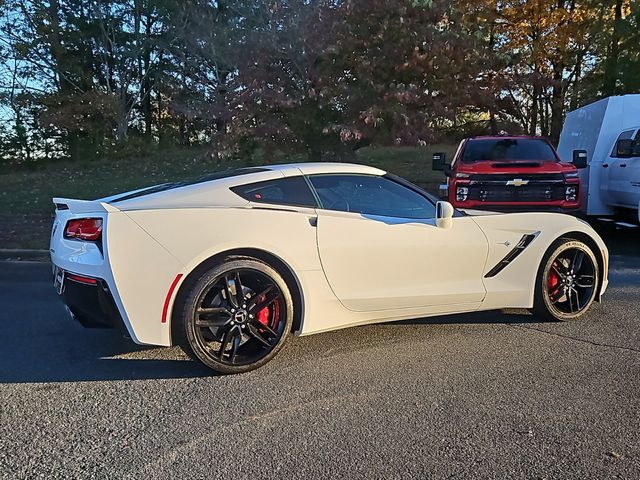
(24, 254)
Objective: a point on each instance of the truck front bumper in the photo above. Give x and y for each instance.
(513, 208)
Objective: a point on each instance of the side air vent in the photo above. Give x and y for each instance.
(62, 206)
(512, 255)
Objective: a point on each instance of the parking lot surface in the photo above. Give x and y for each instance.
(487, 395)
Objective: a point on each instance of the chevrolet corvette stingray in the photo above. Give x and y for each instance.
(228, 266)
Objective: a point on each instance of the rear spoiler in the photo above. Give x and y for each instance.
(83, 206)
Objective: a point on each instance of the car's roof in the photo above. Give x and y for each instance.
(312, 168)
(215, 189)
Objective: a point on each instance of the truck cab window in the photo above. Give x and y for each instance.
(626, 135)
(508, 149)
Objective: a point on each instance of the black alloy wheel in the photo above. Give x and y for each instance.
(568, 281)
(236, 316)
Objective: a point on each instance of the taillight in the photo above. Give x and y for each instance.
(89, 229)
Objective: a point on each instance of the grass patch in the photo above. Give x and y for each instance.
(29, 191)
(412, 163)
(25, 194)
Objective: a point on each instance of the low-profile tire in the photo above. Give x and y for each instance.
(567, 281)
(230, 329)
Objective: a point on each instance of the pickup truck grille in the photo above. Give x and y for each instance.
(537, 193)
(503, 178)
(512, 188)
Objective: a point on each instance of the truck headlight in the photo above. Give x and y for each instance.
(461, 194)
(571, 194)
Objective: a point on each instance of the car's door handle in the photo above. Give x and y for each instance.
(622, 165)
(605, 165)
(313, 221)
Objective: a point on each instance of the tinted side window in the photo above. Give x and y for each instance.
(623, 136)
(371, 195)
(636, 145)
(202, 179)
(283, 191)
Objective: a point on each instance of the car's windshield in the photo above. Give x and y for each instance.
(508, 149)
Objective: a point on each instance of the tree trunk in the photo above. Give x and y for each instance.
(57, 50)
(21, 136)
(182, 131)
(146, 82)
(544, 115)
(122, 125)
(159, 105)
(533, 119)
(557, 107)
(122, 130)
(611, 64)
(575, 92)
(143, 59)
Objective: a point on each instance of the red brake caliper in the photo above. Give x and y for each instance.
(552, 281)
(263, 315)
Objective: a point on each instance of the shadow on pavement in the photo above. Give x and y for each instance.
(41, 343)
(494, 317)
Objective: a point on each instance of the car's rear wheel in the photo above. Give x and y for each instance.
(567, 281)
(235, 317)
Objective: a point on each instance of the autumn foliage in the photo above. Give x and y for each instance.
(82, 77)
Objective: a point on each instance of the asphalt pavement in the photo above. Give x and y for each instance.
(487, 395)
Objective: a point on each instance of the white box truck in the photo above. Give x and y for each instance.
(608, 132)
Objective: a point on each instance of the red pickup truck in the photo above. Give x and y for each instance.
(511, 173)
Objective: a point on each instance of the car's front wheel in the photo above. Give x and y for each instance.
(235, 317)
(567, 281)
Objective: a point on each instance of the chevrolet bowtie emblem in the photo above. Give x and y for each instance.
(517, 182)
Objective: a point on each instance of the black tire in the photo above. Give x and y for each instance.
(230, 333)
(567, 281)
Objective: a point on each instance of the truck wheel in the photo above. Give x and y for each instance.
(567, 281)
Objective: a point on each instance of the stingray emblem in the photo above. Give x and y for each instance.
(518, 182)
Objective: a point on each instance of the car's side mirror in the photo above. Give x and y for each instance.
(444, 214)
(438, 161)
(624, 148)
(580, 158)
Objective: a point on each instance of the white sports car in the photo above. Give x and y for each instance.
(229, 265)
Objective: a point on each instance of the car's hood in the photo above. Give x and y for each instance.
(546, 224)
(514, 167)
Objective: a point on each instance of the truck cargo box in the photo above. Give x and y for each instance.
(596, 128)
